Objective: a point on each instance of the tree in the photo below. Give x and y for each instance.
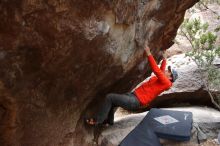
(204, 52)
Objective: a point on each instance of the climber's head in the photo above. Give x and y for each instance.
(168, 74)
(171, 74)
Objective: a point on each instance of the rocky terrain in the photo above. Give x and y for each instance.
(59, 58)
(187, 90)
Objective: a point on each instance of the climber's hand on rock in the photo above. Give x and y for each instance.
(147, 50)
(164, 54)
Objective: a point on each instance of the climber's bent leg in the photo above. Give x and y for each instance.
(127, 101)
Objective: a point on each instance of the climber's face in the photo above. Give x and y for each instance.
(168, 74)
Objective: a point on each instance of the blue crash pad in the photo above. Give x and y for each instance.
(168, 124)
(142, 135)
(179, 130)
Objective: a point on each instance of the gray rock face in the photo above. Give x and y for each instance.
(189, 78)
(58, 58)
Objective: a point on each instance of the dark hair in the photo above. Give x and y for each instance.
(174, 74)
(169, 68)
(172, 77)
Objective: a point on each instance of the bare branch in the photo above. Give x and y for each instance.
(184, 34)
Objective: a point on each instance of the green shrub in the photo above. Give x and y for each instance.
(204, 52)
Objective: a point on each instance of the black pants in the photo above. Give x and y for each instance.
(127, 101)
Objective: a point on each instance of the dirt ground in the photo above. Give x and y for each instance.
(209, 142)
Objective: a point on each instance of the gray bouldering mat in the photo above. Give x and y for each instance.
(142, 135)
(168, 124)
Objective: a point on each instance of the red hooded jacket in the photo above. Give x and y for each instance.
(156, 85)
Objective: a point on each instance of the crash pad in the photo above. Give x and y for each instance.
(159, 123)
(142, 135)
(169, 124)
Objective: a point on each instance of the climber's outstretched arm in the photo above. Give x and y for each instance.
(157, 71)
(163, 64)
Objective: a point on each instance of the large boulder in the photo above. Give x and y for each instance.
(58, 58)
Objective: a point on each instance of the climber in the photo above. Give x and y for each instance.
(141, 96)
